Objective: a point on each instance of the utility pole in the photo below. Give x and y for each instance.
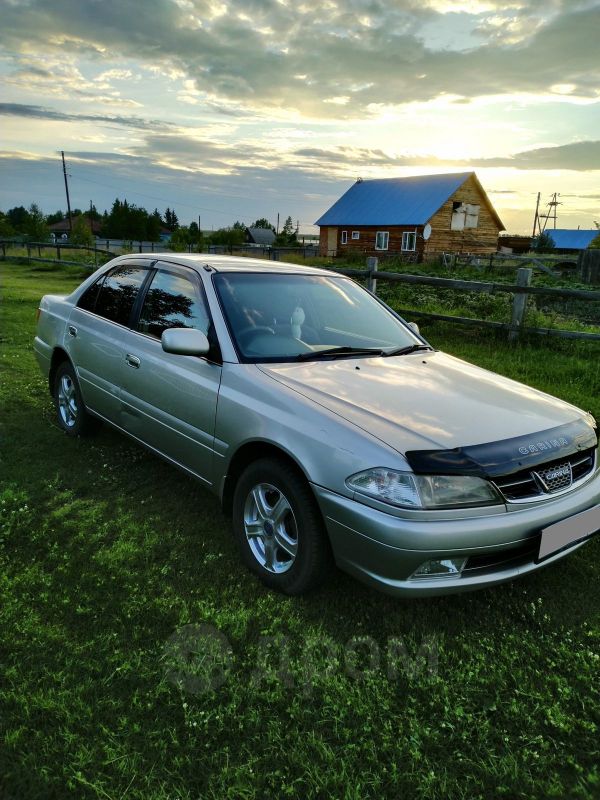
(277, 224)
(550, 214)
(536, 219)
(199, 225)
(62, 152)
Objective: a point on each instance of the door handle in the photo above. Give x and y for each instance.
(132, 361)
(72, 330)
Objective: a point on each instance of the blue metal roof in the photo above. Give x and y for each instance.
(572, 240)
(393, 201)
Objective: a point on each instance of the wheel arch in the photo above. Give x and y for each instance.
(59, 356)
(243, 457)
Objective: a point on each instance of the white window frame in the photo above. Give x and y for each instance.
(344, 237)
(356, 234)
(386, 238)
(405, 239)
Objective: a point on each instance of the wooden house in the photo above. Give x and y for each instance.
(62, 229)
(420, 217)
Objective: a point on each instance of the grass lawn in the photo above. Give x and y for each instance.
(139, 659)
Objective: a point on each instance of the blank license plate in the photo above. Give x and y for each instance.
(571, 530)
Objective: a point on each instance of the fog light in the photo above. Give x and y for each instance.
(440, 568)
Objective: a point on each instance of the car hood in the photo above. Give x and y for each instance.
(425, 400)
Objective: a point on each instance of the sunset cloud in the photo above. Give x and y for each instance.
(260, 89)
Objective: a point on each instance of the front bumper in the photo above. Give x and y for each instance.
(384, 550)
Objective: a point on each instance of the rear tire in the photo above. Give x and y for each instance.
(279, 528)
(71, 413)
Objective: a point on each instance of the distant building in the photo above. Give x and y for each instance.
(261, 236)
(420, 216)
(62, 228)
(514, 243)
(569, 241)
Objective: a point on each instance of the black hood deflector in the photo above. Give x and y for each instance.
(507, 456)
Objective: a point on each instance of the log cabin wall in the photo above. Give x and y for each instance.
(365, 244)
(482, 239)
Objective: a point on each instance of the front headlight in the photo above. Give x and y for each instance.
(407, 490)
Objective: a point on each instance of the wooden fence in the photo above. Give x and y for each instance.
(550, 264)
(520, 291)
(60, 247)
(112, 247)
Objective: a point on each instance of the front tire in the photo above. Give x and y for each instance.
(71, 413)
(279, 529)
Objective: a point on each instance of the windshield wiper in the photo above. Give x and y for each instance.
(402, 351)
(344, 350)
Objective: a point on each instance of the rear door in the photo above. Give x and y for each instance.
(95, 336)
(170, 401)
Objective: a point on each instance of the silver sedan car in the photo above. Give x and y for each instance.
(328, 427)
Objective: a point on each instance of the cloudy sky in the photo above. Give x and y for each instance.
(236, 109)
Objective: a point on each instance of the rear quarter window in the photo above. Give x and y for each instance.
(87, 301)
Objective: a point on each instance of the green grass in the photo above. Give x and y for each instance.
(107, 554)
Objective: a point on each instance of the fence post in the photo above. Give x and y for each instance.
(372, 262)
(519, 304)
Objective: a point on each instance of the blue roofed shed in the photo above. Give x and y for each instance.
(420, 215)
(572, 241)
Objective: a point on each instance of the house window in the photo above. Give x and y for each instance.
(409, 240)
(356, 234)
(344, 237)
(459, 212)
(382, 239)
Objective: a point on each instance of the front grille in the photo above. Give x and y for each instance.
(553, 479)
(548, 478)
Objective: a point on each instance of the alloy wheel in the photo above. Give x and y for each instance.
(270, 528)
(67, 401)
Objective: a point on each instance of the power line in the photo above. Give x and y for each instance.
(161, 199)
(195, 207)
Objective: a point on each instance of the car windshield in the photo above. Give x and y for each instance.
(287, 317)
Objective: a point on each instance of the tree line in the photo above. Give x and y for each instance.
(130, 222)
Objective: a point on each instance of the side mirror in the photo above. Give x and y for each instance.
(414, 327)
(184, 342)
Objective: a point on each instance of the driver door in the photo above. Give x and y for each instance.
(170, 401)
